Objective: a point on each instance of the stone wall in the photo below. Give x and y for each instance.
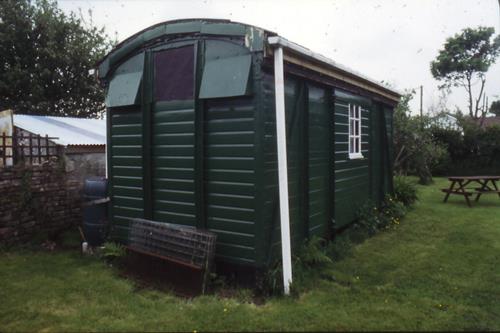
(37, 200)
(85, 165)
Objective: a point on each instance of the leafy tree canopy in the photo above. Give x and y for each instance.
(495, 108)
(416, 152)
(45, 60)
(466, 57)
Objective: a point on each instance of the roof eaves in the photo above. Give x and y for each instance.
(296, 48)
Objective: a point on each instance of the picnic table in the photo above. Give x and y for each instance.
(487, 185)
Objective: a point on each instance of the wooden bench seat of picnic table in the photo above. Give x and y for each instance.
(474, 178)
(447, 190)
(480, 190)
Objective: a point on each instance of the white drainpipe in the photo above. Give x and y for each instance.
(279, 84)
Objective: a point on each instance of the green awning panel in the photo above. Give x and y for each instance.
(226, 77)
(124, 90)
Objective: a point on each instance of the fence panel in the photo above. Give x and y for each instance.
(28, 148)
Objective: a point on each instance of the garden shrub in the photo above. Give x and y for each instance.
(308, 262)
(471, 152)
(369, 218)
(415, 150)
(392, 210)
(405, 191)
(112, 251)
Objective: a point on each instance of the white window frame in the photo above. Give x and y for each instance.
(354, 113)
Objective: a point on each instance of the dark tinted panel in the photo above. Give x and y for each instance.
(174, 74)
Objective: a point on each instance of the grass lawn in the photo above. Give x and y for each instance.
(438, 270)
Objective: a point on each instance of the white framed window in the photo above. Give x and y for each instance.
(355, 131)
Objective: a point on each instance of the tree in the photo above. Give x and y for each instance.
(464, 61)
(416, 151)
(495, 108)
(45, 60)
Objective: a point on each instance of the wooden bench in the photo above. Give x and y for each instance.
(458, 187)
(447, 190)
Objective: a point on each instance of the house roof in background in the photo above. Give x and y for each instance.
(486, 122)
(67, 130)
(489, 121)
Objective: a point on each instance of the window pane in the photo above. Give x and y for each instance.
(226, 77)
(356, 147)
(356, 126)
(351, 111)
(351, 145)
(174, 74)
(357, 112)
(351, 127)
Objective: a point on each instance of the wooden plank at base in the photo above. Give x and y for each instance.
(183, 263)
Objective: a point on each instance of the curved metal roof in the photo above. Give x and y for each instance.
(179, 27)
(256, 39)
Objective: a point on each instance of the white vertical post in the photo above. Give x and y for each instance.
(279, 84)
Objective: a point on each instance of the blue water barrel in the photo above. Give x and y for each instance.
(95, 216)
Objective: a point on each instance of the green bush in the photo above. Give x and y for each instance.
(472, 151)
(405, 191)
(372, 219)
(312, 253)
(393, 210)
(309, 261)
(112, 251)
(415, 151)
(369, 218)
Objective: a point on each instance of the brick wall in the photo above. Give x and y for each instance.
(37, 200)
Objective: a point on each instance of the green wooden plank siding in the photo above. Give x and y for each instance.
(352, 176)
(125, 168)
(318, 161)
(172, 151)
(229, 177)
(307, 115)
(269, 231)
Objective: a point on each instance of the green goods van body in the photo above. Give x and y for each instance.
(192, 137)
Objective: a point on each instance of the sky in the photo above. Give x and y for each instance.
(388, 40)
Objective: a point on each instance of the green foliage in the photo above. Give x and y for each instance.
(467, 56)
(45, 60)
(495, 108)
(416, 151)
(372, 219)
(475, 151)
(308, 261)
(369, 218)
(112, 251)
(342, 244)
(312, 253)
(405, 191)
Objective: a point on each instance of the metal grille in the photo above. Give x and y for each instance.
(184, 245)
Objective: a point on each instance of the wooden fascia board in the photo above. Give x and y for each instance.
(295, 59)
(291, 58)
